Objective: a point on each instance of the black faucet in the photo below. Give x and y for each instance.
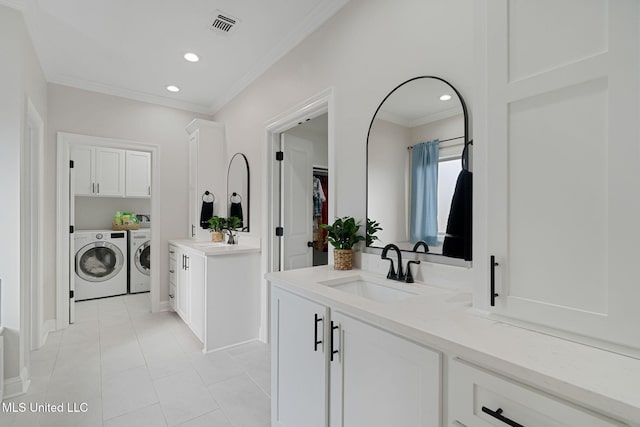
(417, 246)
(392, 273)
(399, 276)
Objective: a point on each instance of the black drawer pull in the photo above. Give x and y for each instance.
(498, 415)
(315, 332)
(333, 328)
(494, 264)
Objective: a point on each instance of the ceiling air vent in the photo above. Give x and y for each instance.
(223, 23)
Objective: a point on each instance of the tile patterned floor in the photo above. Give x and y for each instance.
(134, 368)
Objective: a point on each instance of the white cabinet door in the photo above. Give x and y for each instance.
(138, 174)
(381, 380)
(562, 128)
(197, 277)
(182, 285)
(84, 169)
(109, 172)
(299, 382)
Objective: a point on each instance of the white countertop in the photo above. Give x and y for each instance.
(208, 248)
(442, 319)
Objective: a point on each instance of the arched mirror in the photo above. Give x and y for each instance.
(418, 177)
(238, 189)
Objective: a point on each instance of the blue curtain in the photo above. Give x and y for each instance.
(424, 192)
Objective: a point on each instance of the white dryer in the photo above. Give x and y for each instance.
(100, 261)
(139, 260)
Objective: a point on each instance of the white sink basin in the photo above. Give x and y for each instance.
(368, 289)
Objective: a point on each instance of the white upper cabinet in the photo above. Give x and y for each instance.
(207, 172)
(111, 172)
(83, 158)
(138, 174)
(563, 164)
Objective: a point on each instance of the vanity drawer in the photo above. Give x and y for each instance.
(478, 398)
(172, 252)
(172, 271)
(172, 296)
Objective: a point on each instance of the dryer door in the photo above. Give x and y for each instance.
(143, 258)
(99, 261)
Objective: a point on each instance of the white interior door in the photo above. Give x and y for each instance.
(72, 246)
(297, 196)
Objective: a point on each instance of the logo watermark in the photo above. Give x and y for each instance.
(44, 407)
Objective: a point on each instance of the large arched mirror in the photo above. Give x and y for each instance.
(238, 189)
(418, 177)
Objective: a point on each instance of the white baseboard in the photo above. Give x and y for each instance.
(48, 326)
(17, 385)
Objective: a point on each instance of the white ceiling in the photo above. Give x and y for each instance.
(135, 48)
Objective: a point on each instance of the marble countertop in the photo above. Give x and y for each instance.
(442, 319)
(208, 248)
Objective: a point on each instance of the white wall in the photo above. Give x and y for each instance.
(363, 52)
(21, 78)
(89, 113)
(451, 127)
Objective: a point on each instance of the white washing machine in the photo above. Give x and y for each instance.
(139, 260)
(101, 263)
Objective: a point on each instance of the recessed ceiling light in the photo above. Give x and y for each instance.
(172, 88)
(191, 57)
(445, 97)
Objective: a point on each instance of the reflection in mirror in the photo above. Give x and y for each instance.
(238, 189)
(417, 187)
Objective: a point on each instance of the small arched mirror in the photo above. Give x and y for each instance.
(418, 179)
(238, 189)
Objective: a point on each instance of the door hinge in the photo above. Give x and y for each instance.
(71, 229)
(71, 164)
(71, 294)
(279, 231)
(279, 156)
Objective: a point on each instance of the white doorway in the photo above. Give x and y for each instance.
(66, 196)
(273, 199)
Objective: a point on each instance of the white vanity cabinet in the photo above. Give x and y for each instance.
(207, 172)
(479, 398)
(190, 283)
(561, 136)
(376, 378)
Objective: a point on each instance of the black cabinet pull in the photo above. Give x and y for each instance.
(494, 264)
(318, 319)
(186, 265)
(498, 415)
(333, 328)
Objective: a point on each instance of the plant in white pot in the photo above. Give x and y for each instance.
(343, 235)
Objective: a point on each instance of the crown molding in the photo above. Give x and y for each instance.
(127, 93)
(14, 4)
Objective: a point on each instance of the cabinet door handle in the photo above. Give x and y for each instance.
(172, 252)
(186, 265)
(193, 230)
(183, 262)
(494, 294)
(171, 296)
(171, 271)
(98, 188)
(149, 189)
(93, 187)
(497, 414)
(318, 319)
(333, 328)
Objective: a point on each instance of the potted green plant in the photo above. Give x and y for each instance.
(216, 225)
(373, 227)
(233, 223)
(342, 235)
